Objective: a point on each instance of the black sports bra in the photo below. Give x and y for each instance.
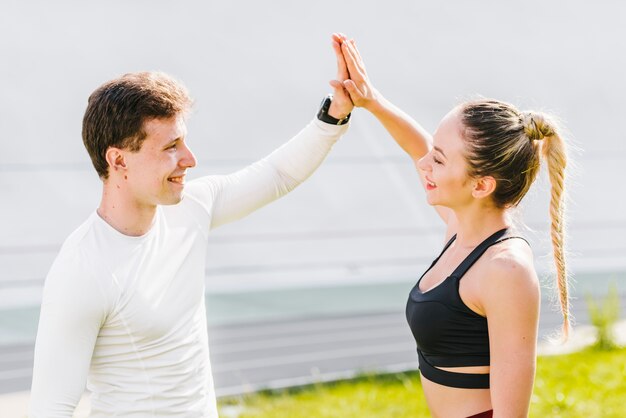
(447, 332)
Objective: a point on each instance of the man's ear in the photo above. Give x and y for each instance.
(116, 159)
(483, 187)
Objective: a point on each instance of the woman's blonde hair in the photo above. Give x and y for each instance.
(507, 144)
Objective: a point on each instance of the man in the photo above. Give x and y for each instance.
(123, 304)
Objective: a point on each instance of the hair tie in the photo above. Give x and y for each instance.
(534, 126)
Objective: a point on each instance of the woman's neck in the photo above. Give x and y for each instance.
(476, 223)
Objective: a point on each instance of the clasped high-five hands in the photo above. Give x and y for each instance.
(352, 86)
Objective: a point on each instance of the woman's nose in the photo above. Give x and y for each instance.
(423, 164)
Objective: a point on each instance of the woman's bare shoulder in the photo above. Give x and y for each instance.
(509, 270)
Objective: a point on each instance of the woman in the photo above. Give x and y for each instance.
(474, 313)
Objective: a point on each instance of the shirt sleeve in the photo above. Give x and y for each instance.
(72, 313)
(231, 197)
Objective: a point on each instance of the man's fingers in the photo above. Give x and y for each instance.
(339, 37)
(336, 84)
(340, 94)
(342, 69)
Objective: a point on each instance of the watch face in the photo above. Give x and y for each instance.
(324, 101)
(325, 117)
(327, 101)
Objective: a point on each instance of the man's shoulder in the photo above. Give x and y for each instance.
(77, 269)
(74, 242)
(76, 253)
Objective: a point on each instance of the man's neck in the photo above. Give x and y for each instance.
(125, 215)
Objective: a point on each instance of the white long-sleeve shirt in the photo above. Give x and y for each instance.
(127, 314)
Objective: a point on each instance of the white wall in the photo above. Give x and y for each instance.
(257, 71)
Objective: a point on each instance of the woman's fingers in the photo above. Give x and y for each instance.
(351, 46)
(351, 62)
(356, 95)
(351, 87)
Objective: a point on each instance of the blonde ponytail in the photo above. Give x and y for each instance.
(537, 127)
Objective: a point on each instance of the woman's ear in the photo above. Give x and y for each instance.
(483, 187)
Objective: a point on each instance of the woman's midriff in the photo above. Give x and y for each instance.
(467, 369)
(467, 402)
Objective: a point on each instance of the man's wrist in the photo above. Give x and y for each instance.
(334, 112)
(329, 113)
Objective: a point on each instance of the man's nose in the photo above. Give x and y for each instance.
(188, 160)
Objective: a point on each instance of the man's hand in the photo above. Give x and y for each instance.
(341, 105)
(358, 85)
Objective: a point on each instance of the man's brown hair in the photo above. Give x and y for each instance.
(117, 110)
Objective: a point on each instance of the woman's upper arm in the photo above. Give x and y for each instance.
(511, 302)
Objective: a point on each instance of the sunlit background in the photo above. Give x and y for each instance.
(355, 237)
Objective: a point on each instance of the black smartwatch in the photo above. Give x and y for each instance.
(323, 115)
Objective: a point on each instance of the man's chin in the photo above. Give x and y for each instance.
(172, 200)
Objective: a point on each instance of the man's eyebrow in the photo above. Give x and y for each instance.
(179, 137)
(439, 150)
(172, 141)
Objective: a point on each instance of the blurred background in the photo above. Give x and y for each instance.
(351, 241)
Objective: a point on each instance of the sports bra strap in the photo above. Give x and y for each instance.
(449, 243)
(477, 252)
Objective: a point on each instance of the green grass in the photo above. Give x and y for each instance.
(591, 383)
(587, 384)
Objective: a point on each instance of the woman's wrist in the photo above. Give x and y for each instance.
(376, 104)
